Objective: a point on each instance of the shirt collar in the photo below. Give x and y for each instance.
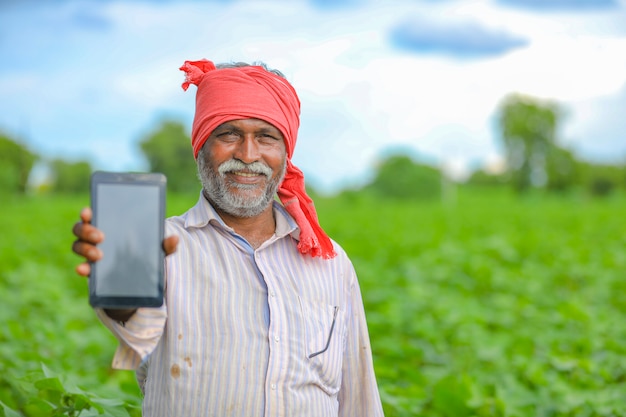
(204, 213)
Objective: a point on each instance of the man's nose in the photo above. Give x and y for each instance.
(248, 150)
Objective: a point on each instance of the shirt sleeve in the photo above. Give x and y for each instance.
(137, 337)
(359, 394)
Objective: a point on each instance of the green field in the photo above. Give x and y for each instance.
(487, 305)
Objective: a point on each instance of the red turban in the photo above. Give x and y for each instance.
(253, 92)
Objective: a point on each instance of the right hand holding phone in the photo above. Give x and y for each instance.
(88, 237)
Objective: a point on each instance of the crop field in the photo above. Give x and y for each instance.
(487, 304)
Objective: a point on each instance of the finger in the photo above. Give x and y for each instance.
(86, 215)
(169, 244)
(88, 251)
(83, 269)
(88, 233)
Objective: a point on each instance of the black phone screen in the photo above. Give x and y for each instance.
(129, 209)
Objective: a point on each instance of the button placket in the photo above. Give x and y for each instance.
(274, 395)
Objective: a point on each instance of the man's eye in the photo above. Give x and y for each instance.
(227, 135)
(267, 140)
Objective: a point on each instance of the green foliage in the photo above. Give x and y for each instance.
(497, 306)
(561, 169)
(45, 393)
(398, 177)
(16, 162)
(168, 150)
(567, 174)
(494, 306)
(70, 177)
(528, 131)
(484, 178)
(46, 318)
(602, 180)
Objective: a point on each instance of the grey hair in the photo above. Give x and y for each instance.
(245, 64)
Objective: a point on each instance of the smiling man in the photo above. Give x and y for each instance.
(263, 313)
(240, 167)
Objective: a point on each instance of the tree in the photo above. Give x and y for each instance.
(399, 177)
(602, 179)
(70, 177)
(562, 169)
(168, 151)
(16, 163)
(483, 178)
(528, 129)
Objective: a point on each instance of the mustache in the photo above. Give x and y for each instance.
(234, 165)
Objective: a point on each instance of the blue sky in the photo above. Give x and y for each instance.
(87, 79)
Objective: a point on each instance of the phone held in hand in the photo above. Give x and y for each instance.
(129, 208)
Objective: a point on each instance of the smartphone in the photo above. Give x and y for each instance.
(129, 208)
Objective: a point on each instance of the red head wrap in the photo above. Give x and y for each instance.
(253, 92)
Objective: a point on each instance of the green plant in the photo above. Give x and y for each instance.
(491, 306)
(45, 393)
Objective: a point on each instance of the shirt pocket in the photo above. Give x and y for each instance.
(325, 331)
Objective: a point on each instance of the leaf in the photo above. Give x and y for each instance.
(116, 412)
(38, 407)
(76, 401)
(50, 384)
(47, 371)
(451, 396)
(5, 411)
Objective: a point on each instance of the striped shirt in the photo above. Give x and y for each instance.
(244, 332)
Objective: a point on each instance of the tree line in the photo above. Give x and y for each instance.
(527, 130)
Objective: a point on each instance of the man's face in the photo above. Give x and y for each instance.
(241, 165)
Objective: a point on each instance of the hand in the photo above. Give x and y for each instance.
(88, 236)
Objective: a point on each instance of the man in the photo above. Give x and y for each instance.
(263, 314)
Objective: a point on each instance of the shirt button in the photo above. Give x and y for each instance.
(273, 386)
(277, 338)
(272, 294)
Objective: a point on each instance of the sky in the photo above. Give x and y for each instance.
(87, 80)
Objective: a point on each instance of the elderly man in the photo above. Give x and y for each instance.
(263, 313)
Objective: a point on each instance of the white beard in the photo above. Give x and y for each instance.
(218, 188)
